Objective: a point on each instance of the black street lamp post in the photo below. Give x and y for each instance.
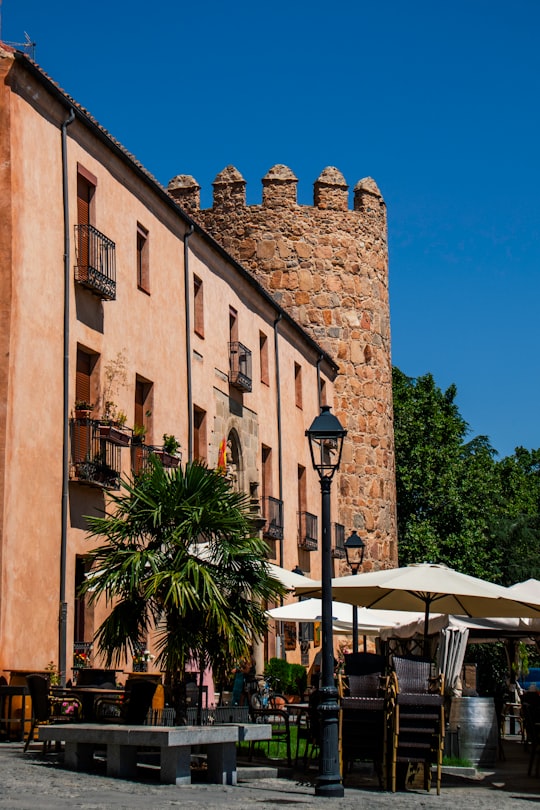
(354, 551)
(326, 437)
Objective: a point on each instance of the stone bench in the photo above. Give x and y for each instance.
(174, 744)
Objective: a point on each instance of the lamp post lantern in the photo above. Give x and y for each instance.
(354, 551)
(326, 436)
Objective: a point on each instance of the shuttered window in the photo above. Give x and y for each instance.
(198, 307)
(86, 186)
(83, 376)
(298, 385)
(143, 262)
(143, 405)
(199, 434)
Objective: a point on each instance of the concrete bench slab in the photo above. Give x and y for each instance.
(174, 743)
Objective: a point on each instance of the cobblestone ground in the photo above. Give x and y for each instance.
(32, 782)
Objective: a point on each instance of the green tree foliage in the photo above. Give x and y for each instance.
(456, 504)
(207, 606)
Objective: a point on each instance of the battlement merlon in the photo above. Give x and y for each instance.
(330, 191)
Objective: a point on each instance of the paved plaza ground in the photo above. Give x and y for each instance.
(33, 782)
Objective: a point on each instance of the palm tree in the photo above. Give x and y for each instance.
(180, 559)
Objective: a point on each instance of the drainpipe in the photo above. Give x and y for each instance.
(62, 618)
(280, 651)
(319, 361)
(280, 449)
(188, 342)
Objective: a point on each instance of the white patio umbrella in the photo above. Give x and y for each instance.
(310, 610)
(289, 578)
(528, 590)
(451, 653)
(370, 622)
(425, 585)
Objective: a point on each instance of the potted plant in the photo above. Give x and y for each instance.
(139, 434)
(83, 409)
(169, 451)
(112, 425)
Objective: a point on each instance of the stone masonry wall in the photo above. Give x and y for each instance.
(328, 266)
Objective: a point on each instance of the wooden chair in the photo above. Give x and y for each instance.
(364, 716)
(276, 714)
(417, 719)
(308, 731)
(48, 708)
(530, 713)
(363, 663)
(132, 708)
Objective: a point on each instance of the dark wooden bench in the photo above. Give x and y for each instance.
(122, 743)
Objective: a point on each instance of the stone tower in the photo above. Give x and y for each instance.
(328, 266)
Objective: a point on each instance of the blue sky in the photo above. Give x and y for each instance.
(437, 101)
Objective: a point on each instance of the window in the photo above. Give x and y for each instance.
(85, 387)
(302, 489)
(266, 472)
(86, 187)
(143, 408)
(263, 356)
(298, 385)
(83, 611)
(322, 395)
(199, 434)
(143, 269)
(198, 307)
(233, 325)
(95, 267)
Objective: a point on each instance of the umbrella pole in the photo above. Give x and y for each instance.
(426, 626)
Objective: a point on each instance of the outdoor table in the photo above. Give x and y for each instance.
(87, 695)
(295, 709)
(12, 700)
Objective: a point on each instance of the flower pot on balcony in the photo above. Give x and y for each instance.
(167, 459)
(114, 434)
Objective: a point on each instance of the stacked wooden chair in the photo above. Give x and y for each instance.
(363, 693)
(416, 701)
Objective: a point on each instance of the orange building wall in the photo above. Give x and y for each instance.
(150, 329)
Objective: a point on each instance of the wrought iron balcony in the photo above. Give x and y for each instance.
(140, 458)
(338, 547)
(240, 367)
(142, 453)
(82, 654)
(96, 261)
(273, 515)
(95, 461)
(307, 531)
(166, 458)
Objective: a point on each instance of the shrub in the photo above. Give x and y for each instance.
(289, 679)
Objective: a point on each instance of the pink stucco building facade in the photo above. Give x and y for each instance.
(112, 294)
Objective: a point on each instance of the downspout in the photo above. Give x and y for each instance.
(319, 361)
(62, 618)
(280, 651)
(188, 342)
(280, 449)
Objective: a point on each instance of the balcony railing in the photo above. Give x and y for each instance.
(142, 453)
(338, 547)
(273, 514)
(307, 531)
(95, 461)
(240, 367)
(82, 654)
(96, 261)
